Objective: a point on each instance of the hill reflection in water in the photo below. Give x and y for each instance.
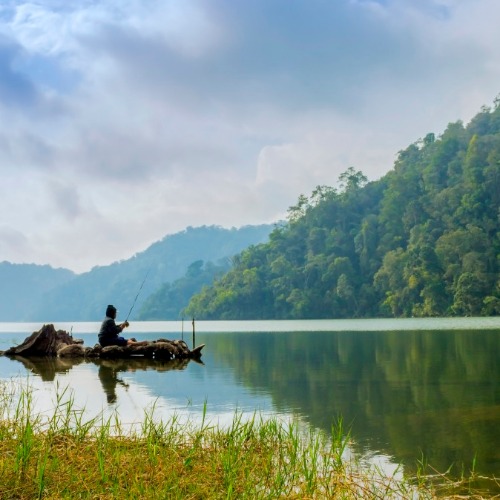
(403, 392)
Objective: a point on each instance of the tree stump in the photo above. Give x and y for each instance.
(46, 342)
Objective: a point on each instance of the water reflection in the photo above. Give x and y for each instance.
(47, 367)
(108, 375)
(108, 372)
(405, 394)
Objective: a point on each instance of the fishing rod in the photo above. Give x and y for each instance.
(135, 300)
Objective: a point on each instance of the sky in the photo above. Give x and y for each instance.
(124, 121)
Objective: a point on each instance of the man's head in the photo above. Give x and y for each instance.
(111, 311)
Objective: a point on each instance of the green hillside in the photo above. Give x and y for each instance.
(168, 302)
(84, 297)
(41, 293)
(421, 241)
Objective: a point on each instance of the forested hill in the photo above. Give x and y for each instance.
(421, 241)
(85, 297)
(41, 293)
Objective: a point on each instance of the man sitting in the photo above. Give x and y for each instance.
(110, 331)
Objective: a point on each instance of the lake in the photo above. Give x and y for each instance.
(406, 388)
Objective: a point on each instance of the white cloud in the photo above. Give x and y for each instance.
(124, 121)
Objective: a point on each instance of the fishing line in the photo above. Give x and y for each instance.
(135, 300)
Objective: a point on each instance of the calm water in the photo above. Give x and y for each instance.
(405, 387)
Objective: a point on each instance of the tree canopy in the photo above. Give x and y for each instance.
(421, 241)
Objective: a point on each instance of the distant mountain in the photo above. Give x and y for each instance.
(23, 286)
(170, 300)
(84, 297)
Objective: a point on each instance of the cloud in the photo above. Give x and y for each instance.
(14, 242)
(15, 89)
(126, 121)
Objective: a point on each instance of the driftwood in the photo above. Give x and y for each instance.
(49, 342)
(46, 342)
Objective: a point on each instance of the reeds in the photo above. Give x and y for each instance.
(64, 456)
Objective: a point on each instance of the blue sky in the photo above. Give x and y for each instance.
(127, 120)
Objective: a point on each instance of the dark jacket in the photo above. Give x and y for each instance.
(110, 332)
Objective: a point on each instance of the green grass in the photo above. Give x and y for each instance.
(64, 456)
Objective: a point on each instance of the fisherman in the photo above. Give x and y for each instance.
(110, 331)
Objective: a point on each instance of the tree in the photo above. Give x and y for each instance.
(351, 180)
(468, 298)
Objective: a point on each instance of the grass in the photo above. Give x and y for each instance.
(64, 456)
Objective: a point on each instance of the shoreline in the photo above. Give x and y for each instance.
(59, 456)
